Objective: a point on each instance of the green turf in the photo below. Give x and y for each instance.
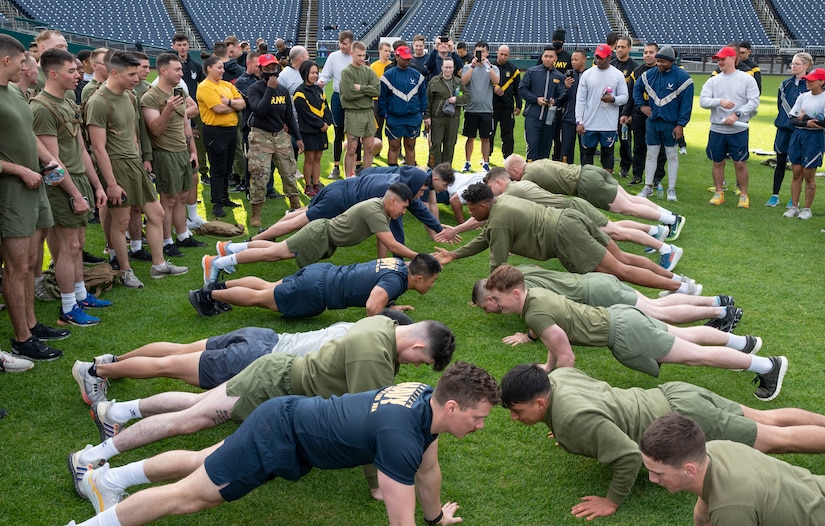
(503, 474)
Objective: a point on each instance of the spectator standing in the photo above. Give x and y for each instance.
(290, 76)
(633, 116)
(745, 58)
(444, 88)
(282, 53)
(378, 66)
(314, 119)
(624, 63)
(479, 77)
(419, 54)
(506, 100)
(358, 87)
(333, 67)
(541, 89)
(402, 102)
(461, 51)
(443, 49)
(567, 103)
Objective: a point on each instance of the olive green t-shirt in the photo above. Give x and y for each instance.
(117, 114)
(56, 117)
(89, 90)
(553, 176)
(584, 325)
(19, 145)
(172, 140)
(567, 284)
(359, 222)
(532, 192)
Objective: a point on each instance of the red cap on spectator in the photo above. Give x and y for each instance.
(726, 51)
(267, 59)
(404, 52)
(603, 51)
(817, 74)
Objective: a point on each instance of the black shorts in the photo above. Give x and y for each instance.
(228, 354)
(480, 124)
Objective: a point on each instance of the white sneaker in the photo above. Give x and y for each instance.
(792, 211)
(194, 223)
(805, 213)
(646, 192)
(101, 495)
(10, 363)
(167, 269)
(671, 194)
(130, 280)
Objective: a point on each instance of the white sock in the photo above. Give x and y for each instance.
(126, 476)
(760, 365)
(237, 247)
(107, 517)
(724, 313)
(135, 245)
(162, 266)
(167, 241)
(111, 254)
(683, 288)
(192, 211)
(653, 230)
(104, 450)
(677, 278)
(666, 249)
(666, 217)
(186, 234)
(122, 412)
(80, 292)
(736, 342)
(68, 301)
(226, 261)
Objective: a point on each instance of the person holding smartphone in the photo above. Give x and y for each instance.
(479, 76)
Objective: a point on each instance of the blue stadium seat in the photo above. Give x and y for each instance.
(801, 19)
(429, 19)
(267, 19)
(358, 16)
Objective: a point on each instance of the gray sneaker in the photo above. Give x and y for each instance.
(102, 496)
(335, 173)
(130, 280)
(167, 269)
(107, 426)
(41, 292)
(646, 192)
(92, 388)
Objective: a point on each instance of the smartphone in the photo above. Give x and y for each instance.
(569, 73)
(478, 55)
(193, 163)
(71, 202)
(177, 92)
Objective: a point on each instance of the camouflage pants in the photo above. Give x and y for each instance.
(264, 147)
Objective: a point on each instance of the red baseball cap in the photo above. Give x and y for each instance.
(817, 74)
(603, 51)
(403, 52)
(267, 59)
(726, 51)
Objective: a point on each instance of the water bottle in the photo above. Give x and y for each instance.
(624, 132)
(53, 175)
(660, 192)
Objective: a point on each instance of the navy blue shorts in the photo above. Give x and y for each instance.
(782, 140)
(402, 128)
(806, 148)
(328, 202)
(606, 139)
(722, 144)
(228, 354)
(660, 132)
(261, 449)
(303, 294)
(480, 124)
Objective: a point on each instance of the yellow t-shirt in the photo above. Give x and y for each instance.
(209, 96)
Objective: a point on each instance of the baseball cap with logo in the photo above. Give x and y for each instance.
(725, 52)
(817, 74)
(403, 52)
(267, 59)
(603, 51)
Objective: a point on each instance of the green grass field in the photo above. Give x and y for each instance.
(503, 474)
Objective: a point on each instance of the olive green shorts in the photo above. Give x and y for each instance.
(173, 171)
(311, 243)
(265, 378)
(597, 186)
(605, 290)
(22, 210)
(637, 340)
(132, 177)
(62, 211)
(589, 211)
(580, 245)
(719, 418)
(360, 123)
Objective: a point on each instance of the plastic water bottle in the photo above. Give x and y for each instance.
(624, 132)
(53, 176)
(660, 192)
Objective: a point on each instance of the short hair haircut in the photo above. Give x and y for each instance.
(654, 44)
(33, 44)
(424, 265)
(505, 277)
(477, 193)
(164, 59)
(745, 44)
(210, 61)
(440, 343)
(581, 51)
(346, 35)
(626, 39)
(360, 46)
(468, 385)
(304, 68)
(219, 48)
(461, 45)
(97, 52)
(482, 43)
(296, 52)
(84, 55)
(180, 37)
(445, 170)
(231, 40)
(252, 57)
(524, 382)
(397, 316)
(53, 59)
(140, 55)
(418, 37)
(674, 439)
(611, 38)
(398, 43)
(10, 46)
(549, 48)
(47, 34)
(384, 44)
(495, 174)
(122, 60)
(262, 47)
(107, 57)
(402, 191)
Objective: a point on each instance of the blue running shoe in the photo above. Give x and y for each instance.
(91, 302)
(668, 261)
(773, 201)
(676, 228)
(77, 316)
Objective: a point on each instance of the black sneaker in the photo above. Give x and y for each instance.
(91, 259)
(190, 242)
(205, 180)
(222, 306)
(636, 180)
(624, 173)
(140, 255)
(217, 210)
(35, 349)
(752, 345)
(45, 333)
(731, 319)
(770, 383)
(230, 203)
(203, 307)
(114, 263)
(725, 301)
(171, 250)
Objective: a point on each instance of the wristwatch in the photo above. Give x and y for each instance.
(738, 113)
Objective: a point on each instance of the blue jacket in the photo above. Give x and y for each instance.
(789, 91)
(539, 81)
(670, 94)
(403, 93)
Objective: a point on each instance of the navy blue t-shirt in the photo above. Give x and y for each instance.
(350, 285)
(389, 427)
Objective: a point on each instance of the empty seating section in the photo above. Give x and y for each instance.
(697, 22)
(267, 19)
(146, 20)
(803, 19)
(531, 21)
(358, 16)
(429, 19)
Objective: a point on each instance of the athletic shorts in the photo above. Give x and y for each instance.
(303, 294)
(637, 340)
(587, 210)
(597, 186)
(61, 206)
(660, 133)
(806, 148)
(329, 202)
(605, 139)
(228, 354)
(265, 378)
(311, 243)
(261, 449)
(604, 290)
(719, 418)
(360, 123)
(782, 140)
(315, 142)
(400, 129)
(721, 145)
(173, 171)
(580, 245)
(480, 124)
(22, 210)
(133, 179)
